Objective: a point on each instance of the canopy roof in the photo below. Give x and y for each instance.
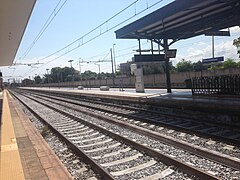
(14, 16)
(184, 19)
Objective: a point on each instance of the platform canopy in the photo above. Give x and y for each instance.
(14, 16)
(184, 19)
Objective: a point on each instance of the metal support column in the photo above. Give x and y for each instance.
(152, 46)
(139, 46)
(168, 80)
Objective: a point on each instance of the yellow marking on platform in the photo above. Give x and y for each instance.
(9, 147)
(13, 140)
(10, 96)
(11, 166)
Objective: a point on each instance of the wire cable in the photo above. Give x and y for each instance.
(80, 40)
(45, 26)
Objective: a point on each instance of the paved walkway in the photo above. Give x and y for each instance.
(11, 166)
(24, 153)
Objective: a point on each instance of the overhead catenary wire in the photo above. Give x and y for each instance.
(125, 54)
(80, 41)
(45, 26)
(43, 29)
(69, 49)
(91, 39)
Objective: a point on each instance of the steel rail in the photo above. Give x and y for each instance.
(151, 152)
(185, 118)
(87, 159)
(204, 134)
(200, 151)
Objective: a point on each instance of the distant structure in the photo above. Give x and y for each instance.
(27, 82)
(125, 68)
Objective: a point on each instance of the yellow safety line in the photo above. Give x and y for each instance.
(11, 166)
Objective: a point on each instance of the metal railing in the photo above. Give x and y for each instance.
(225, 85)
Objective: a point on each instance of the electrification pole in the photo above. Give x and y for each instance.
(112, 65)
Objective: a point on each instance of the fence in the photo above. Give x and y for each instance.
(225, 85)
(178, 80)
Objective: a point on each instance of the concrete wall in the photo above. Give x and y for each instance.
(154, 81)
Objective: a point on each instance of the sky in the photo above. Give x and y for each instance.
(89, 26)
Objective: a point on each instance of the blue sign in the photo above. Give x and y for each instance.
(216, 59)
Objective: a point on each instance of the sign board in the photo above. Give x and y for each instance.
(210, 60)
(217, 33)
(148, 57)
(171, 53)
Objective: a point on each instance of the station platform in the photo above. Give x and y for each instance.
(24, 153)
(179, 98)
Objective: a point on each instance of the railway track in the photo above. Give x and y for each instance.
(92, 143)
(153, 146)
(191, 122)
(223, 131)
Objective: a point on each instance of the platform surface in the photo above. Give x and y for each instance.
(179, 98)
(24, 153)
(11, 166)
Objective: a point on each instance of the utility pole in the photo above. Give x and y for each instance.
(80, 70)
(112, 65)
(114, 59)
(48, 78)
(71, 68)
(47, 75)
(99, 70)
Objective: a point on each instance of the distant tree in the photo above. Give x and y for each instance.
(55, 74)
(66, 74)
(37, 79)
(229, 63)
(47, 78)
(153, 69)
(214, 66)
(198, 66)
(156, 68)
(89, 75)
(183, 66)
(238, 64)
(236, 42)
(118, 72)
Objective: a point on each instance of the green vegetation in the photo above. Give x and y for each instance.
(156, 69)
(67, 74)
(45, 131)
(184, 65)
(236, 42)
(37, 79)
